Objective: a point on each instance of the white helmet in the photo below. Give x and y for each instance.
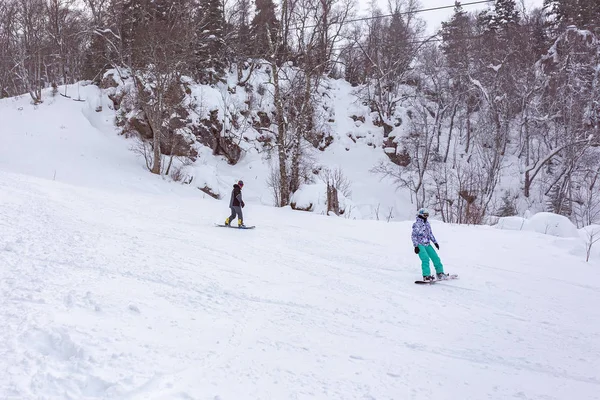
(423, 212)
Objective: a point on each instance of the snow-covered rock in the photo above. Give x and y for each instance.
(310, 197)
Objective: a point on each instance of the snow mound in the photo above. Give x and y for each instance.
(511, 223)
(310, 197)
(552, 224)
(313, 197)
(591, 230)
(545, 223)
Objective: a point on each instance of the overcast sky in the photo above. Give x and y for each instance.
(435, 18)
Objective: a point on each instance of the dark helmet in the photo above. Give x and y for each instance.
(240, 183)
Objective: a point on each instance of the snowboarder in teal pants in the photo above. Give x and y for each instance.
(422, 236)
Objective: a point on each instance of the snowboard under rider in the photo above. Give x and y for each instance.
(236, 204)
(422, 236)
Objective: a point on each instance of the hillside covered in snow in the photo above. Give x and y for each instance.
(321, 110)
(115, 284)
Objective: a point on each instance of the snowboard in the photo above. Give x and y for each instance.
(450, 277)
(235, 227)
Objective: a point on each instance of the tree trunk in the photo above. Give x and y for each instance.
(468, 129)
(333, 203)
(295, 162)
(157, 156)
(284, 188)
(527, 185)
(450, 132)
(302, 126)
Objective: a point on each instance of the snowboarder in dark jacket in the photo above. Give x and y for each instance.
(236, 204)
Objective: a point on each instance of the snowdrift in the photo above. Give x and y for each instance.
(545, 223)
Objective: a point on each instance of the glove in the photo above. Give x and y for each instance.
(437, 246)
(243, 204)
(416, 250)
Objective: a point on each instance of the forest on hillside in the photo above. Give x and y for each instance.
(498, 110)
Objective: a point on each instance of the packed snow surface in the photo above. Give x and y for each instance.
(139, 296)
(115, 284)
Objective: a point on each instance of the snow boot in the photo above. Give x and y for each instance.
(429, 278)
(241, 224)
(227, 222)
(441, 276)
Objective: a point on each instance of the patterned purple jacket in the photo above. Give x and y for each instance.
(421, 233)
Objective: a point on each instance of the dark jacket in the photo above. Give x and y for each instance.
(236, 197)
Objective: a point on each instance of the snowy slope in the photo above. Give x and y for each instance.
(114, 284)
(372, 197)
(114, 295)
(69, 141)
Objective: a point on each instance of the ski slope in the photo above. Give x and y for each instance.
(138, 296)
(115, 284)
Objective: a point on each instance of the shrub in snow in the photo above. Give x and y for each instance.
(261, 90)
(508, 208)
(591, 235)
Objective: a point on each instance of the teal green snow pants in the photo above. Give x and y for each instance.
(425, 254)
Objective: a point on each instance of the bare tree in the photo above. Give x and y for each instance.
(389, 51)
(296, 90)
(336, 183)
(30, 21)
(156, 73)
(419, 148)
(593, 236)
(8, 85)
(586, 197)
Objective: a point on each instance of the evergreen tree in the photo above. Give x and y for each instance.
(95, 62)
(584, 14)
(539, 40)
(238, 50)
(396, 50)
(132, 20)
(456, 35)
(263, 29)
(105, 25)
(241, 31)
(209, 43)
(505, 14)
